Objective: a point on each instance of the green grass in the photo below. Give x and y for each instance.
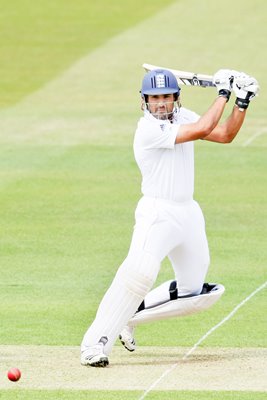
(132, 395)
(69, 183)
(58, 217)
(39, 39)
(53, 237)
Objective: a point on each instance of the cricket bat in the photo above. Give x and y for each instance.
(186, 78)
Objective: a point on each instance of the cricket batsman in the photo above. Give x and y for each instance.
(168, 221)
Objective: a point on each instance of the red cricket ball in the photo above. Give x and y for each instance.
(14, 374)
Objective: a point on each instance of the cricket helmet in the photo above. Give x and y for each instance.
(159, 81)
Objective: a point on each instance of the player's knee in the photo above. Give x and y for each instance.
(140, 274)
(138, 283)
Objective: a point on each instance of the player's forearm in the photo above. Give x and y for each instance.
(233, 124)
(205, 125)
(226, 132)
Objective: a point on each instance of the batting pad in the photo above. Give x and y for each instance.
(179, 307)
(132, 282)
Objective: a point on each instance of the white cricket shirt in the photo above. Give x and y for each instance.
(167, 168)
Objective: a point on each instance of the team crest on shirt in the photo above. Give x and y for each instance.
(163, 127)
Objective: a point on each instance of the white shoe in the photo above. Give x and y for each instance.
(127, 339)
(94, 356)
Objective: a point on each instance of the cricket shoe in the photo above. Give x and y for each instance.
(94, 356)
(127, 339)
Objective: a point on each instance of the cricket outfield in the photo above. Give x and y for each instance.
(70, 80)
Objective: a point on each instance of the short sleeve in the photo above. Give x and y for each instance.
(150, 135)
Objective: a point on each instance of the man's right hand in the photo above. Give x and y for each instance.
(223, 79)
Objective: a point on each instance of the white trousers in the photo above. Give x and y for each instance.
(176, 230)
(163, 228)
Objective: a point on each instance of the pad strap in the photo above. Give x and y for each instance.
(173, 290)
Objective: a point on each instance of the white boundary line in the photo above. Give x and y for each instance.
(169, 370)
(253, 137)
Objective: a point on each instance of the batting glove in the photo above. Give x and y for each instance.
(223, 79)
(245, 88)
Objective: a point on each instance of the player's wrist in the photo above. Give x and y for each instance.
(242, 104)
(224, 93)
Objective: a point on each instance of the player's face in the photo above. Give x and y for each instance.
(161, 106)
